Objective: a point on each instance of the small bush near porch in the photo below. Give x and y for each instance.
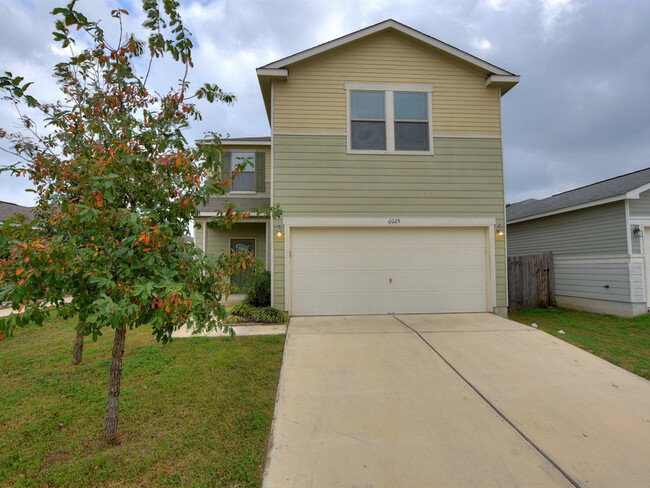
(619, 340)
(195, 412)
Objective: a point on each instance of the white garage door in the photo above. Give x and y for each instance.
(338, 271)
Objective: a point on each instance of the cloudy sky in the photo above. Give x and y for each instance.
(581, 112)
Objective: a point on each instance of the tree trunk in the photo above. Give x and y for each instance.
(112, 405)
(78, 349)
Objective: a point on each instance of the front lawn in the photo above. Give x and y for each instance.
(622, 341)
(193, 413)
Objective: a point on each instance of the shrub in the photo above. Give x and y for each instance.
(258, 289)
(265, 315)
(270, 315)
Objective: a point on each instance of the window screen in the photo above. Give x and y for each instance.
(368, 120)
(411, 121)
(244, 181)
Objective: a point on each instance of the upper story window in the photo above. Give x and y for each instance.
(253, 177)
(389, 118)
(244, 181)
(367, 120)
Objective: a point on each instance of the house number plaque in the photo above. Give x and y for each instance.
(393, 221)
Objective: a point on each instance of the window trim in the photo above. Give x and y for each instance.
(388, 89)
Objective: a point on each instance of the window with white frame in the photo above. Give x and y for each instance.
(389, 118)
(244, 181)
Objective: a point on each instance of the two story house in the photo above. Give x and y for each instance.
(385, 156)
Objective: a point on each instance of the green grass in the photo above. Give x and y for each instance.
(622, 341)
(193, 413)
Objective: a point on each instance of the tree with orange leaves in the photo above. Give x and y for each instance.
(117, 185)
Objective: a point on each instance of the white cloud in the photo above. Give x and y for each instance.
(557, 12)
(482, 44)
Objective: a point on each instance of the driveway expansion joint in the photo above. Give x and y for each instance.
(494, 407)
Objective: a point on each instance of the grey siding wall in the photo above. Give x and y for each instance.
(589, 280)
(595, 230)
(314, 176)
(637, 282)
(640, 207)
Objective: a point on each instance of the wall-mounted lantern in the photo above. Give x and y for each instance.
(278, 231)
(499, 231)
(637, 231)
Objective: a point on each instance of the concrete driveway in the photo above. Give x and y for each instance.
(457, 400)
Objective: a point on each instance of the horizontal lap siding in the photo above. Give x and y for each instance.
(588, 280)
(314, 175)
(640, 207)
(198, 236)
(309, 180)
(313, 97)
(595, 230)
(637, 282)
(218, 241)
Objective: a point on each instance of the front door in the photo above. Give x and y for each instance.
(241, 245)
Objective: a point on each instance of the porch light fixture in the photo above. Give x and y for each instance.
(499, 231)
(637, 232)
(278, 231)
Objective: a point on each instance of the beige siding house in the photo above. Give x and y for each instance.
(600, 238)
(385, 157)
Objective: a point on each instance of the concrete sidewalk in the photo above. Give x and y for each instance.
(452, 400)
(240, 330)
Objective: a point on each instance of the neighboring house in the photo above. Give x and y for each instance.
(8, 210)
(600, 238)
(385, 157)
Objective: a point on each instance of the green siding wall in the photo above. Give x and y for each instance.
(218, 241)
(595, 230)
(314, 176)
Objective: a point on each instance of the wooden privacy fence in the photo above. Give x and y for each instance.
(531, 281)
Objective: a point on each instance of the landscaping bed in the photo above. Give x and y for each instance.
(619, 340)
(195, 412)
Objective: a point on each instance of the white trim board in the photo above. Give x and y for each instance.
(344, 134)
(384, 221)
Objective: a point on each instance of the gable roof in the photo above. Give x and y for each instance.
(278, 69)
(8, 209)
(629, 185)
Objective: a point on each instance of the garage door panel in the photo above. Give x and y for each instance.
(395, 270)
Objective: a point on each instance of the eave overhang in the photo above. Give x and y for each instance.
(265, 77)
